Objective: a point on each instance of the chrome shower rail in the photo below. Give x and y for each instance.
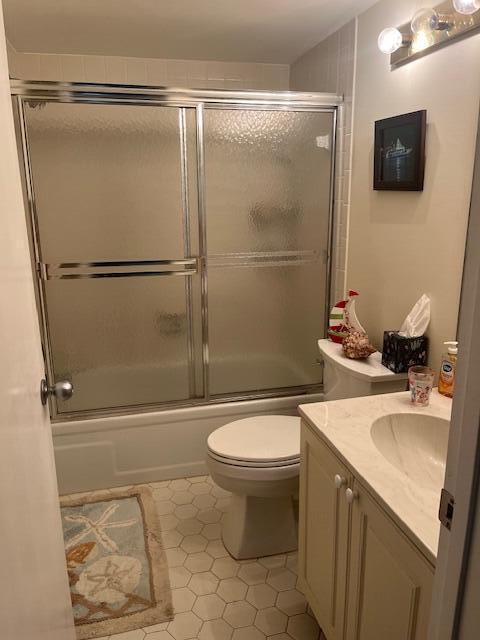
(99, 93)
(122, 269)
(33, 93)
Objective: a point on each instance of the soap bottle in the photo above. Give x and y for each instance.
(446, 380)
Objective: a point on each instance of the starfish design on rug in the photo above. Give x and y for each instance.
(98, 528)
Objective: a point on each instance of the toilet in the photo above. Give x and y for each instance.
(257, 459)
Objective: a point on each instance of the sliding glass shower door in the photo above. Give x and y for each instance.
(114, 209)
(181, 247)
(267, 177)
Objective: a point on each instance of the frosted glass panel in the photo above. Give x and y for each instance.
(122, 341)
(107, 181)
(264, 323)
(267, 180)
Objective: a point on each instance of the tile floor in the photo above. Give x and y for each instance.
(214, 596)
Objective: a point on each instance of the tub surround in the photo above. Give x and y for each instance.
(345, 426)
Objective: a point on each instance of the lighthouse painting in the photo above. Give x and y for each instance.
(400, 152)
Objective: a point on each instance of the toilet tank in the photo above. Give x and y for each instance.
(347, 378)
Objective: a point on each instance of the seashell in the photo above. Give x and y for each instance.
(356, 346)
(79, 554)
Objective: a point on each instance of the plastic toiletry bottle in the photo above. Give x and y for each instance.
(446, 380)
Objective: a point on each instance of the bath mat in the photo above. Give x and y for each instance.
(116, 565)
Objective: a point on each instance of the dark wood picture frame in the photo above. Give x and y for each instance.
(399, 159)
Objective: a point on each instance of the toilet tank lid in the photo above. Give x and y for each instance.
(258, 439)
(370, 369)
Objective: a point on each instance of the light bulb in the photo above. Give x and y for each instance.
(467, 7)
(424, 21)
(390, 40)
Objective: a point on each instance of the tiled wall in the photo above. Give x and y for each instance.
(142, 71)
(330, 67)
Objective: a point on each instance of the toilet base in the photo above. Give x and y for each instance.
(254, 527)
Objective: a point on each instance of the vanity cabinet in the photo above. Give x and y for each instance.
(362, 576)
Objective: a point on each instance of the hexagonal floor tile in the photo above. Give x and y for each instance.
(203, 583)
(175, 556)
(215, 547)
(184, 626)
(291, 602)
(224, 567)
(165, 507)
(208, 516)
(182, 599)
(248, 633)
(194, 544)
(181, 484)
(168, 522)
(182, 497)
(159, 635)
(186, 511)
(303, 627)
(171, 538)
(196, 479)
(179, 577)
(209, 607)
(212, 531)
(261, 596)
(271, 621)
(281, 579)
(273, 562)
(252, 573)
(189, 527)
(215, 630)
(204, 501)
(161, 493)
(200, 488)
(292, 562)
(239, 614)
(232, 589)
(198, 562)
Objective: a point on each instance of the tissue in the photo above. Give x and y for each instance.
(416, 323)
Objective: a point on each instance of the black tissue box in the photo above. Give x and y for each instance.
(400, 353)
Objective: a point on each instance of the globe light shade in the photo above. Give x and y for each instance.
(424, 21)
(390, 40)
(467, 7)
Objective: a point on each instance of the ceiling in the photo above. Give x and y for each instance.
(276, 31)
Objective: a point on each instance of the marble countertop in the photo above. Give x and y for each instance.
(345, 426)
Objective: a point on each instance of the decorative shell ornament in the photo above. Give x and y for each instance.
(343, 319)
(356, 345)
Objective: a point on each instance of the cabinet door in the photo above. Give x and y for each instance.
(390, 581)
(323, 535)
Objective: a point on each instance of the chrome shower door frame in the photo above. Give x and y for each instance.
(198, 100)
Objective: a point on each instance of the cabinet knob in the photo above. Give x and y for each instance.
(339, 481)
(350, 495)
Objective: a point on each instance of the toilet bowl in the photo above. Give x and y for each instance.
(258, 459)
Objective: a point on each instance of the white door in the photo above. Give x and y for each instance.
(34, 596)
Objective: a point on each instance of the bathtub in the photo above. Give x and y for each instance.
(149, 447)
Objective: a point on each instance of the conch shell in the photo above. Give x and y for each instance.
(356, 345)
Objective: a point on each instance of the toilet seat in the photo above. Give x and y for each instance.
(258, 442)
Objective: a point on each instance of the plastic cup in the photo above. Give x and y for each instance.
(421, 380)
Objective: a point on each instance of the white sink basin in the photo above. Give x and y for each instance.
(416, 444)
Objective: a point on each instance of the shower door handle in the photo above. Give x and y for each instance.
(62, 390)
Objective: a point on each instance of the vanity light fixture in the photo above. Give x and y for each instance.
(429, 29)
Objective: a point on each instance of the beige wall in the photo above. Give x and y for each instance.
(329, 67)
(403, 244)
(152, 71)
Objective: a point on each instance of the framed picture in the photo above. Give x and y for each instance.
(400, 152)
